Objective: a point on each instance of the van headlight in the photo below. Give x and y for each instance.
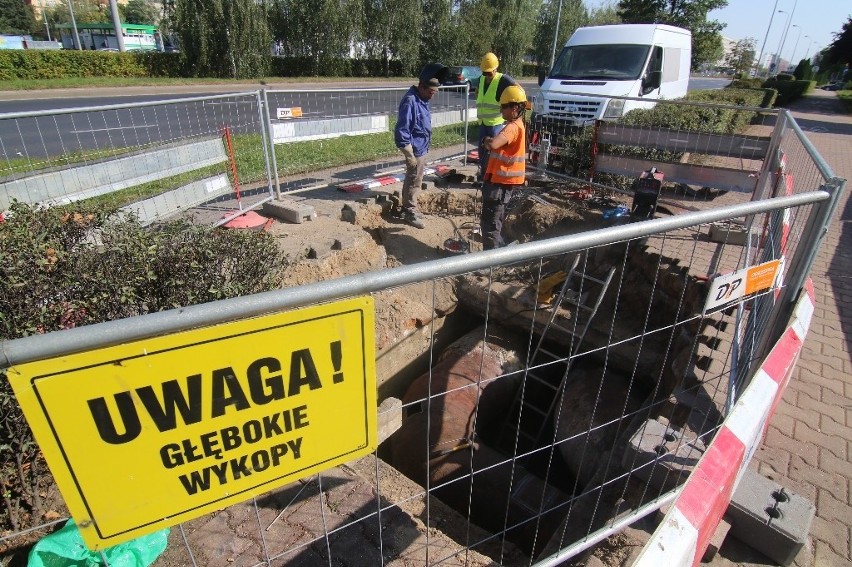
(614, 109)
(539, 104)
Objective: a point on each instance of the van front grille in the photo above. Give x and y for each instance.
(574, 109)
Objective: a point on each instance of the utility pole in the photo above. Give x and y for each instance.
(76, 40)
(759, 57)
(116, 25)
(555, 35)
(46, 25)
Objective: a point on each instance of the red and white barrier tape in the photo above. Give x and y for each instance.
(688, 527)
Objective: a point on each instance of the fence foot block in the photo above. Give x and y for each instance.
(289, 211)
(769, 518)
(661, 456)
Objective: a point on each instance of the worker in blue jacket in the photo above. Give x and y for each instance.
(412, 135)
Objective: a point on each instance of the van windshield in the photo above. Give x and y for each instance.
(612, 62)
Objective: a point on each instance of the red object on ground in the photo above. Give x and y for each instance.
(250, 220)
(473, 155)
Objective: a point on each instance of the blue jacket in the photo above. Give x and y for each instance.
(414, 123)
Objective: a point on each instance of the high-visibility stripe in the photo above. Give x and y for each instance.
(508, 159)
(507, 174)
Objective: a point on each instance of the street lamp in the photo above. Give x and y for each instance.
(556, 35)
(795, 45)
(810, 43)
(762, 47)
(781, 43)
(76, 36)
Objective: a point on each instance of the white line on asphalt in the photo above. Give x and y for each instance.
(116, 128)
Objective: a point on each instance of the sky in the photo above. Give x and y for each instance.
(818, 19)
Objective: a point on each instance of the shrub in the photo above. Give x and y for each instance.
(788, 90)
(71, 266)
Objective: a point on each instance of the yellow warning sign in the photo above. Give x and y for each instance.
(149, 434)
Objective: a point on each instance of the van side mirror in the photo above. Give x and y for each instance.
(542, 75)
(652, 81)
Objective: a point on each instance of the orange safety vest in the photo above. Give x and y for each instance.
(507, 165)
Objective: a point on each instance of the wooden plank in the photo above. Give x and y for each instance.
(704, 176)
(747, 147)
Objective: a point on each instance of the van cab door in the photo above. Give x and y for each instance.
(653, 76)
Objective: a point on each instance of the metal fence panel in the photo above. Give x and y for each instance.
(161, 150)
(581, 386)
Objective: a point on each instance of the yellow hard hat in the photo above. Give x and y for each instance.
(513, 93)
(489, 63)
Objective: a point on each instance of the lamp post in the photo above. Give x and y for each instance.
(46, 25)
(787, 30)
(762, 47)
(76, 36)
(781, 43)
(795, 45)
(556, 34)
(810, 43)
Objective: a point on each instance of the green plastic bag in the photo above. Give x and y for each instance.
(65, 548)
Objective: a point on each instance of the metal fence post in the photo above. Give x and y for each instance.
(802, 261)
(268, 143)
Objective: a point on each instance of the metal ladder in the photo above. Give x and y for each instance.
(536, 399)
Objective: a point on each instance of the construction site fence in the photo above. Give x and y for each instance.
(641, 404)
(554, 439)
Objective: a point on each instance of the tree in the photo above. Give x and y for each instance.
(388, 27)
(606, 14)
(692, 15)
(473, 31)
(323, 31)
(514, 26)
(139, 12)
(741, 56)
(223, 38)
(16, 18)
(573, 16)
(85, 12)
(839, 50)
(804, 71)
(438, 40)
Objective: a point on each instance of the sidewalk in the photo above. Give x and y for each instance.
(808, 446)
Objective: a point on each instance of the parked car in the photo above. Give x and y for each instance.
(460, 75)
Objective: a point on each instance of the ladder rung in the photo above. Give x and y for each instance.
(553, 355)
(528, 406)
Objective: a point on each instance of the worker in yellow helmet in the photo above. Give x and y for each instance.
(506, 169)
(491, 86)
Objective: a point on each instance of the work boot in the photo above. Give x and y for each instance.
(413, 217)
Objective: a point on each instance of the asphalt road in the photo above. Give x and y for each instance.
(118, 118)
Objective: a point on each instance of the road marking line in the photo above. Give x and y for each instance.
(116, 128)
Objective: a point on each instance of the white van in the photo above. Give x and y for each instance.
(631, 60)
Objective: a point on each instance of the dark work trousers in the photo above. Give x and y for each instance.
(483, 153)
(494, 200)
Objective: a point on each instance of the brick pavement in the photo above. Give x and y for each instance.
(808, 447)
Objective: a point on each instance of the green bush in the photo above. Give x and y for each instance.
(701, 118)
(785, 77)
(69, 63)
(744, 83)
(71, 266)
(788, 90)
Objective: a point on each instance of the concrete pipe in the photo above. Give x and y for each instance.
(474, 382)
